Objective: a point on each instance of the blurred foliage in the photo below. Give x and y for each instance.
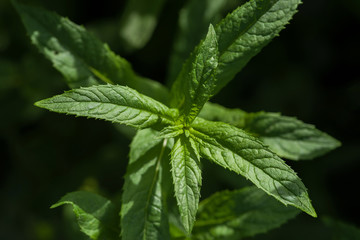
(309, 72)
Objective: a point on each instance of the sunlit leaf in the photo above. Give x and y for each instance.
(196, 81)
(245, 31)
(187, 179)
(143, 212)
(236, 150)
(112, 103)
(79, 55)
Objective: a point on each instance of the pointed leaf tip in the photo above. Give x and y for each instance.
(197, 80)
(187, 179)
(235, 149)
(111, 103)
(289, 137)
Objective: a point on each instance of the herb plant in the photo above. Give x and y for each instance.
(178, 128)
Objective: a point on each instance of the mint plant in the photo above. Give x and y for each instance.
(178, 129)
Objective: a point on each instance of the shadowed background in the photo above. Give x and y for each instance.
(309, 72)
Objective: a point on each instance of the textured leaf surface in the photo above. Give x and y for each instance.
(189, 34)
(238, 151)
(196, 81)
(80, 56)
(289, 137)
(143, 214)
(138, 22)
(244, 32)
(242, 213)
(112, 103)
(96, 216)
(286, 136)
(171, 131)
(187, 179)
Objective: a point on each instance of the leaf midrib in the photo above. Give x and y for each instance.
(169, 118)
(184, 176)
(152, 187)
(244, 31)
(252, 164)
(66, 46)
(186, 156)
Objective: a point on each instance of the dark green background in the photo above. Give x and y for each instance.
(311, 72)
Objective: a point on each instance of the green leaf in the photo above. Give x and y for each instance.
(240, 213)
(171, 131)
(196, 81)
(234, 149)
(74, 52)
(113, 103)
(81, 58)
(189, 34)
(143, 212)
(216, 112)
(187, 179)
(96, 216)
(151, 88)
(341, 230)
(244, 32)
(138, 22)
(288, 137)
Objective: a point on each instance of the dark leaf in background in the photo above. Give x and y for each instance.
(309, 72)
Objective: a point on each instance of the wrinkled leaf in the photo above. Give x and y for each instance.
(236, 150)
(196, 81)
(187, 179)
(171, 131)
(201, 12)
(288, 137)
(244, 32)
(113, 103)
(97, 217)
